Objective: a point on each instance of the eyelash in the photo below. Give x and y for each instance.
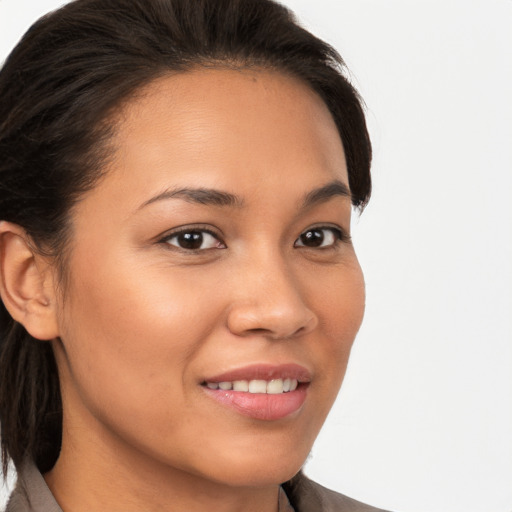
(193, 230)
(340, 236)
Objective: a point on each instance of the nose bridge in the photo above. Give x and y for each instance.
(269, 299)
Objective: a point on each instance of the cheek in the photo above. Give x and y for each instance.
(130, 334)
(340, 307)
(339, 295)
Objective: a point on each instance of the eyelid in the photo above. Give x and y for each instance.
(343, 235)
(188, 228)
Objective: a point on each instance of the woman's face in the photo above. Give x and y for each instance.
(215, 250)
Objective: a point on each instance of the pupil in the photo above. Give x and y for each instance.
(192, 240)
(313, 238)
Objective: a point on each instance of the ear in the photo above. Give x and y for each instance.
(26, 283)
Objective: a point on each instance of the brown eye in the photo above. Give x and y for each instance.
(195, 240)
(318, 237)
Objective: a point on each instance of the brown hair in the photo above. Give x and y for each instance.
(57, 88)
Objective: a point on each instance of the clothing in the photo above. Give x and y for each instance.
(308, 496)
(33, 495)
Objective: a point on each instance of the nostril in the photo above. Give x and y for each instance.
(259, 331)
(275, 334)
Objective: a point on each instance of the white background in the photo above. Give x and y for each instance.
(424, 419)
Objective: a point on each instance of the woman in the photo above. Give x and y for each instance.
(181, 293)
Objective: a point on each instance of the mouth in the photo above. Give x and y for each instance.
(263, 392)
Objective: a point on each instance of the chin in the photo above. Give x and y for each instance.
(270, 473)
(257, 468)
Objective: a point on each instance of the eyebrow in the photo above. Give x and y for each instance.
(213, 197)
(325, 193)
(206, 196)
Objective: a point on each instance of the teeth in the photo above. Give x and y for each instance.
(257, 386)
(275, 387)
(241, 385)
(272, 387)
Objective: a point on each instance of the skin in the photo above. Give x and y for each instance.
(142, 321)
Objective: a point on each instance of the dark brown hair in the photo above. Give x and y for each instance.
(58, 89)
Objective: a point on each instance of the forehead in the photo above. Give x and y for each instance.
(221, 128)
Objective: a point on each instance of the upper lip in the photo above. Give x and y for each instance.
(264, 372)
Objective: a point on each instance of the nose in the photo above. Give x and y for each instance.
(269, 301)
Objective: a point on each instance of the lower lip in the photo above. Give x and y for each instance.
(261, 406)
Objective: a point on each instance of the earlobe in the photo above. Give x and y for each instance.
(26, 283)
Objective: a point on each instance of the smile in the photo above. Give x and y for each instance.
(271, 387)
(262, 392)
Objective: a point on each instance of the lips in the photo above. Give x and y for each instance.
(264, 372)
(263, 392)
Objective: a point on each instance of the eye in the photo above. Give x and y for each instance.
(319, 237)
(194, 240)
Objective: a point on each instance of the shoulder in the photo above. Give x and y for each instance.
(18, 501)
(308, 496)
(31, 493)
